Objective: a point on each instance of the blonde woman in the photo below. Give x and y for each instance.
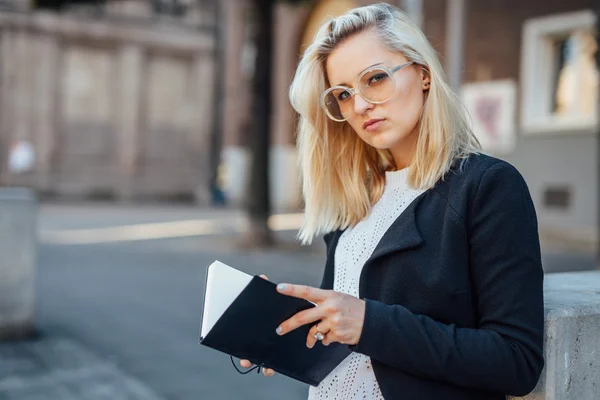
(433, 274)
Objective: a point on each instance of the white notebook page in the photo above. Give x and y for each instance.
(223, 285)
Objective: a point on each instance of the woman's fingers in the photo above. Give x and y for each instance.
(304, 317)
(265, 371)
(264, 277)
(309, 293)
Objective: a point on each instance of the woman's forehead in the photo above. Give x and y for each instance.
(356, 54)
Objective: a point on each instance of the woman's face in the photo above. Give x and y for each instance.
(396, 129)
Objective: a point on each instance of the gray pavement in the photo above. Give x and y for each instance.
(120, 320)
(59, 368)
(135, 306)
(139, 305)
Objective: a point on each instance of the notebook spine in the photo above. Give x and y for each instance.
(203, 304)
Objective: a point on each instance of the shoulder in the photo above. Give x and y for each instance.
(478, 169)
(476, 176)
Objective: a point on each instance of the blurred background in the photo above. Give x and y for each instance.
(140, 140)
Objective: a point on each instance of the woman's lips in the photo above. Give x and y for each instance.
(373, 124)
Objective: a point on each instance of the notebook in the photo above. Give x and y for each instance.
(239, 318)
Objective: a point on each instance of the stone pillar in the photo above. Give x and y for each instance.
(22, 97)
(129, 106)
(233, 43)
(285, 185)
(18, 246)
(456, 14)
(234, 154)
(47, 110)
(7, 79)
(572, 339)
(203, 69)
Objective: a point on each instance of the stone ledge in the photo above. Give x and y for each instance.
(18, 246)
(572, 344)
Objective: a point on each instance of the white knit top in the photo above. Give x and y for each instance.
(354, 379)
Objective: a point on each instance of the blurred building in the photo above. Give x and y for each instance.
(525, 69)
(107, 98)
(530, 83)
(119, 99)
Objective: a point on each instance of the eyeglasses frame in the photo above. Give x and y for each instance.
(355, 91)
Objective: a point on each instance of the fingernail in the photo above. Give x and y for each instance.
(279, 330)
(309, 346)
(281, 287)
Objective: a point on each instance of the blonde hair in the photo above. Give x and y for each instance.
(343, 176)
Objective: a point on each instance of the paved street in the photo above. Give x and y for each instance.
(58, 368)
(135, 304)
(119, 297)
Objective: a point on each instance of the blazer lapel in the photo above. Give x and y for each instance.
(328, 276)
(403, 234)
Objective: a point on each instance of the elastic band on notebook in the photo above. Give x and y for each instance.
(258, 367)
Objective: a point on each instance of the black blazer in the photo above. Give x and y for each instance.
(454, 290)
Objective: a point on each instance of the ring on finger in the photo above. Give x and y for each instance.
(319, 335)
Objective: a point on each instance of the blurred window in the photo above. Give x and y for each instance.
(559, 75)
(576, 78)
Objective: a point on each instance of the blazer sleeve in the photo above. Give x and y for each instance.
(505, 353)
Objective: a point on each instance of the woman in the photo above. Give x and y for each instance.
(433, 274)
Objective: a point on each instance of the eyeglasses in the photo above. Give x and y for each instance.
(375, 84)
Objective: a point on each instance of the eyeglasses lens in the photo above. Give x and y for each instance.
(375, 86)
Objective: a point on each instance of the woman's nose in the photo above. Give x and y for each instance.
(360, 104)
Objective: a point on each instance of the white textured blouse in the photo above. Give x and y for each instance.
(354, 379)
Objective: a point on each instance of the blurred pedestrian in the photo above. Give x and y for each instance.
(433, 274)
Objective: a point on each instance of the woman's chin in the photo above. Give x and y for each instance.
(379, 146)
(386, 140)
(380, 143)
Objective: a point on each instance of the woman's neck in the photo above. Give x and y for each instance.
(403, 152)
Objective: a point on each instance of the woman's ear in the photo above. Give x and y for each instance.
(425, 79)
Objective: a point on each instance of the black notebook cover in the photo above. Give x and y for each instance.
(247, 330)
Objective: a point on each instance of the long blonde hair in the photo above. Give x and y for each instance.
(343, 176)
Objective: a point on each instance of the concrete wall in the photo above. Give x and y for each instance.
(572, 341)
(18, 246)
(563, 161)
(110, 108)
(565, 157)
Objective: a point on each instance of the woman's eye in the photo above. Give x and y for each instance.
(377, 78)
(345, 95)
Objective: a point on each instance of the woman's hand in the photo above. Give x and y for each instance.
(248, 364)
(340, 316)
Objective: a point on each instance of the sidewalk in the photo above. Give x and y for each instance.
(119, 296)
(58, 368)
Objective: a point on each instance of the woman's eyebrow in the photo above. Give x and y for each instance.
(345, 84)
